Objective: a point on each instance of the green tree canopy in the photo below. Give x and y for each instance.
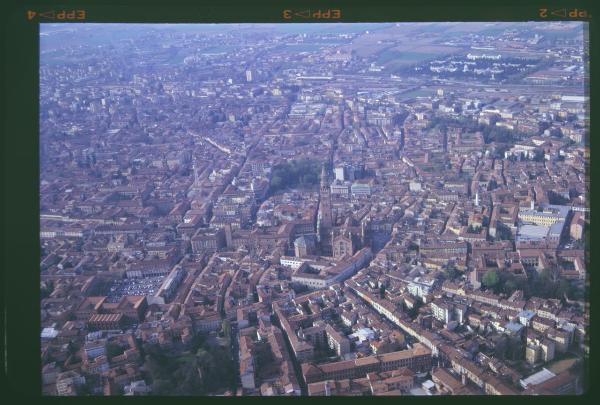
(202, 371)
(490, 279)
(295, 173)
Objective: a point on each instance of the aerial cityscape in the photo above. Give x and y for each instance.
(339, 209)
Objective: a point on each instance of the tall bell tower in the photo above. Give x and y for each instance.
(324, 220)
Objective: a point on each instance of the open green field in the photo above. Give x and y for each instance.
(300, 48)
(416, 93)
(220, 49)
(395, 57)
(58, 58)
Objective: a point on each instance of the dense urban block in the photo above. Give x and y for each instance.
(314, 209)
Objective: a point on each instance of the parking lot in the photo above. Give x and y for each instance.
(134, 286)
